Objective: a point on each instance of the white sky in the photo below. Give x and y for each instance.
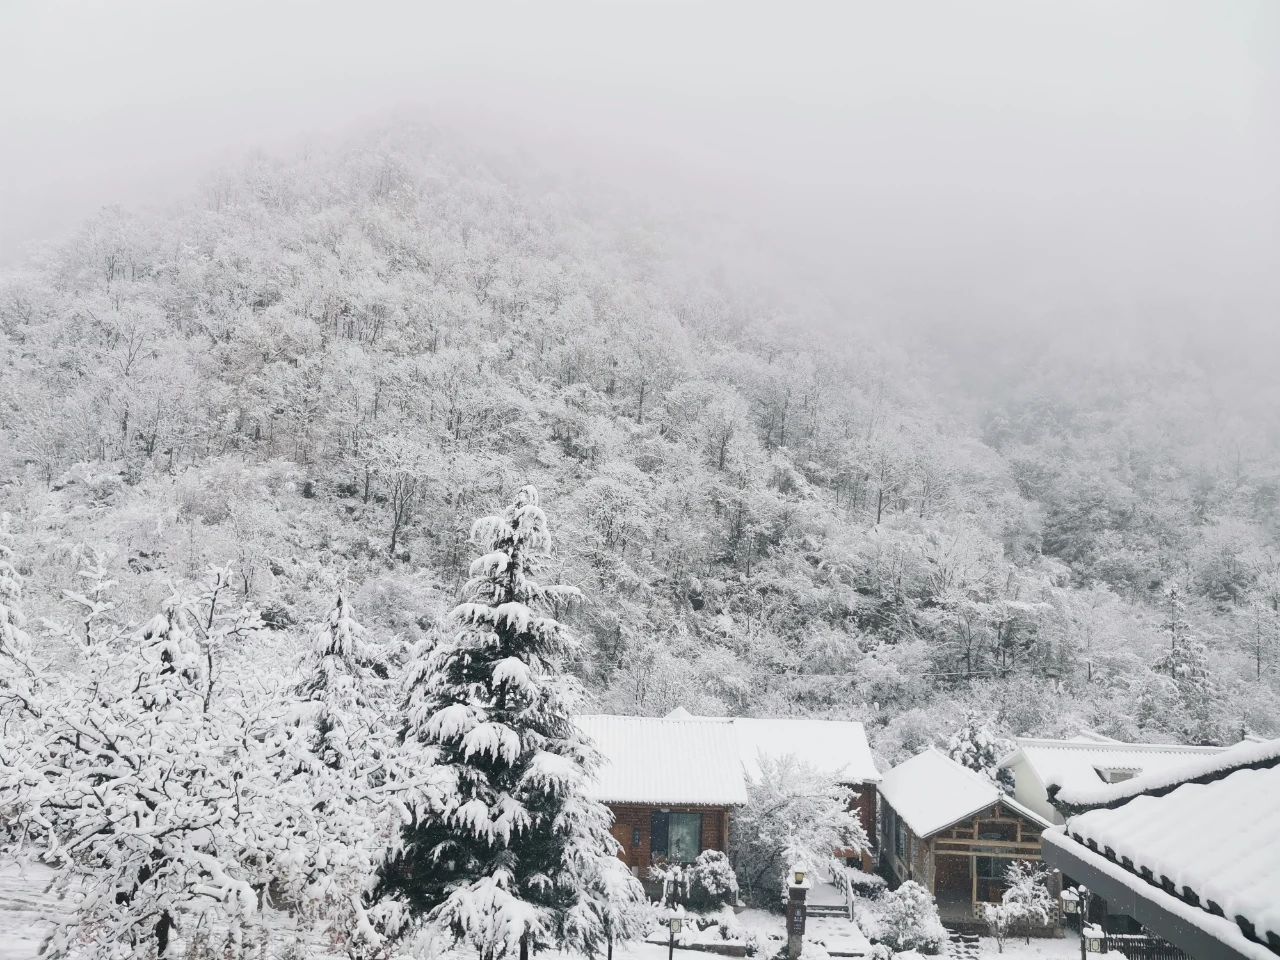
(1029, 155)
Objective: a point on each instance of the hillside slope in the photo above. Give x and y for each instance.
(320, 371)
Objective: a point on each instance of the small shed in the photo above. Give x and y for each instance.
(670, 782)
(953, 831)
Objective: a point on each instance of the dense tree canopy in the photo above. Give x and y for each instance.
(317, 373)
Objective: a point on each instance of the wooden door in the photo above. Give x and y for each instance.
(953, 880)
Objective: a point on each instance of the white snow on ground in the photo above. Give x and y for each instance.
(25, 909)
(1040, 948)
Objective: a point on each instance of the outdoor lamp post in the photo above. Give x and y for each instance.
(1083, 893)
(1070, 902)
(797, 890)
(674, 923)
(1095, 941)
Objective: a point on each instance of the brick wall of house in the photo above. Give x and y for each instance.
(632, 824)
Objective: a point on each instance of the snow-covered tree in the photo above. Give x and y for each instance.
(343, 674)
(907, 919)
(94, 600)
(17, 679)
(517, 856)
(1027, 892)
(793, 814)
(1186, 663)
(975, 746)
(1025, 904)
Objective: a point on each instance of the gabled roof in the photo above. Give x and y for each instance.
(931, 792)
(1075, 764)
(665, 761)
(1193, 848)
(835, 748)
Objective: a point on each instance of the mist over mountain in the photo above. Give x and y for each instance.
(318, 369)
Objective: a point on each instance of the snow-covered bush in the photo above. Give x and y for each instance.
(907, 919)
(1026, 903)
(868, 886)
(711, 881)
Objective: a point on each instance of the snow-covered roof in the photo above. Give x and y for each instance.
(835, 748)
(665, 760)
(1205, 763)
(1169, 916)
(1215, 842)
(931, 792)
(1075, 764)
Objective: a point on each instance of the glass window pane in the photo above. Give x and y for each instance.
(685, 838)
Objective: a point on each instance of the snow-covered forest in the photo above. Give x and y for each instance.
(311, 377)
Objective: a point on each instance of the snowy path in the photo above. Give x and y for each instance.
(25, 909)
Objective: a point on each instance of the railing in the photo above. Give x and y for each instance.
(1138, 946)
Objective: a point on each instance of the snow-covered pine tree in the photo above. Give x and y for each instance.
(342, 672)
(337, 756)
(517, 855)
(975, 746)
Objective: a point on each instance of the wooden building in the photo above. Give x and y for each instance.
(953, 831)
(671, 783)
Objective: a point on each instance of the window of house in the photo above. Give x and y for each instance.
(900, 839)
(991, 871)
(1115, 774)
(997, 830)
(684, 837)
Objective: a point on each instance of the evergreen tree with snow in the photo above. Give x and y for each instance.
(516, 856)
(342, 674)
(975, 746)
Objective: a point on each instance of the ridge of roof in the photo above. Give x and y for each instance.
(1204, 769)
(1114, 746)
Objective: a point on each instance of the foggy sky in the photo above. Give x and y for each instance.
(1046, 159)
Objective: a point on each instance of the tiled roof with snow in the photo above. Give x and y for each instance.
(1184, 919)
(1074, 764)
(1205, 764)
(665, 760)
(931, 792)
(1214, 844)
(835, 748)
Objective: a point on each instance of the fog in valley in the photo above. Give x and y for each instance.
(909, 365)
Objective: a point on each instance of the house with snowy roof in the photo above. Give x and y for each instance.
(1191, 853)
(953, 831)
(1086, 760)
(672, 782)
(837, 749)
